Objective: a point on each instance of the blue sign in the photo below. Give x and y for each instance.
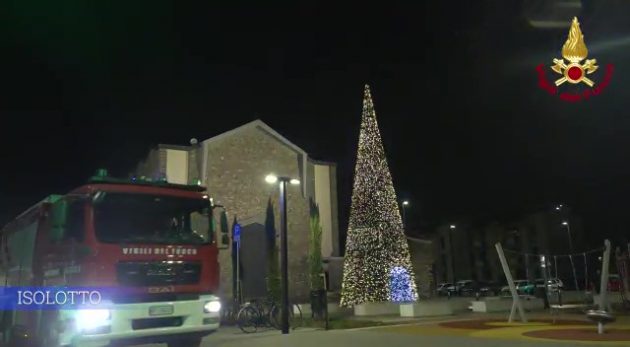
(237, 233)
(54, 298)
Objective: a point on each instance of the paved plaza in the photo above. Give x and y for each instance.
(445, 332)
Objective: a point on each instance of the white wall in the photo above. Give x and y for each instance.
(323, 198)
(177, 166)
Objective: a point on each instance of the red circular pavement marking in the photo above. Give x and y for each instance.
(485, 324)
(574, 73)
(470, 324)
(581, 334)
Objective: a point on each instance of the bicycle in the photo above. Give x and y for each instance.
(258, 313)
(254, 314)
(229, 313)
(295, 316)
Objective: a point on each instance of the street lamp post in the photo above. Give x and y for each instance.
(404, 216)
(450, 241)
(543, 268)
(566, 224)
(237, 236)
(284, 261)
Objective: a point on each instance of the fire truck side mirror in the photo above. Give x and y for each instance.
(59, 217)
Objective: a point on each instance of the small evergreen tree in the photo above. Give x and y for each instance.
(315, 249)
(225, 230)
(273, 271)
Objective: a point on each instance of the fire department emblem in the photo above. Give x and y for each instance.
(574, 68)
(574, 51)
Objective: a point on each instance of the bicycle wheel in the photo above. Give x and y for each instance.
(248, 319)
(295, 317)
(267, 315)
(275, 315)
(228, 316)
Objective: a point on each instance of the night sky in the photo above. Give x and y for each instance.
(467, 131)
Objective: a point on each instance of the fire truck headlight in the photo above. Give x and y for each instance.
(92, 318)
(212, 306)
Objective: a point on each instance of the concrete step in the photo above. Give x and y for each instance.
(376, 309)
(505, 304)
(426, 309)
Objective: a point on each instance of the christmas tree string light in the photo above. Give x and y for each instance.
(400, 287)
(377, 264)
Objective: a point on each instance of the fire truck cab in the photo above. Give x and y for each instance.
(149, 245)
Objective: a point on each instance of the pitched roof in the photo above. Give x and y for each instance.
(259, 124)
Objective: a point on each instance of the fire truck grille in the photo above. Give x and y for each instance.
(150, 323)
(158, 273)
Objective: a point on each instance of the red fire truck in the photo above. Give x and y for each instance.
(152, 243)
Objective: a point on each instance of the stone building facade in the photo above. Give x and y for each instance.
(233, 167)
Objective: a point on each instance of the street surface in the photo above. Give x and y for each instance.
(368, 337)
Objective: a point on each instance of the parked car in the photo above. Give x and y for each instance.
(526, 288)
(461, 285)
(452, 289)
(553, 285)
(490, 289)
(442, 288)
(470, 288)
(614, 283)
(505, 290)
(455, 289)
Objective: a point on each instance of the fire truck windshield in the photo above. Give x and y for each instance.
(140, 218)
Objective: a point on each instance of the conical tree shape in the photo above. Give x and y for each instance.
(377, 265)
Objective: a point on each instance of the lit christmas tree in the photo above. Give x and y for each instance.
(377, 265)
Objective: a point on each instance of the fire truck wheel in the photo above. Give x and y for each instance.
(186, 342)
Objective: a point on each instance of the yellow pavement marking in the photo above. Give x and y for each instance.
(516, 333)
(435, 330)
(518, 324)
(505, 331)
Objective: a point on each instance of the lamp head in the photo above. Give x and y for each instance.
(271, 178)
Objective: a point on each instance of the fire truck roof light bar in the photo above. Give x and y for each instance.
(102, 177)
